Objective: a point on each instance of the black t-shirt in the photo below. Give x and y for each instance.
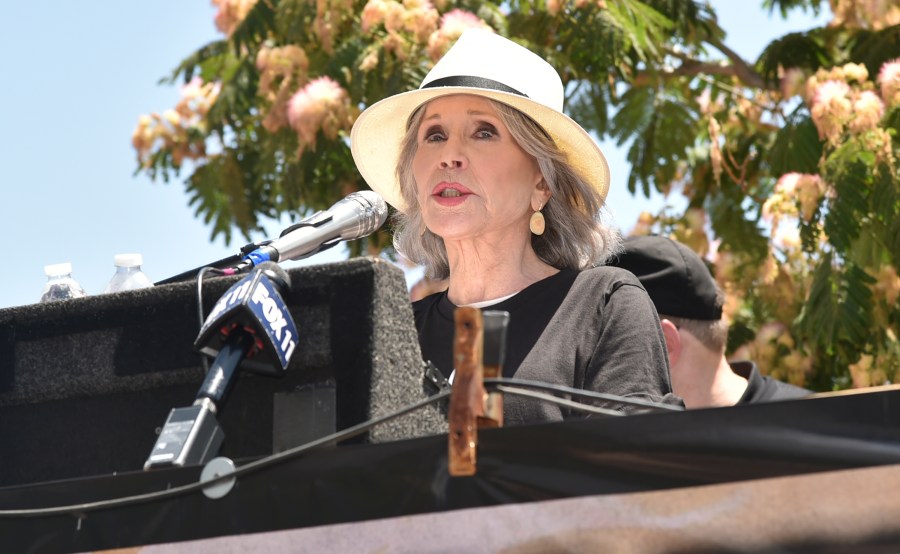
(595, 329)
(761, 388)
(533, 308)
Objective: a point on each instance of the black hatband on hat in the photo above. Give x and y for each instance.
(474, 82)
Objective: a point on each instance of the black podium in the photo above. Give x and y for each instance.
(86, 384)
(793, 476)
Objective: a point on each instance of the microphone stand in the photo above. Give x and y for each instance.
(250, 319)
(357, 215)
(240, 260)
(192, 435)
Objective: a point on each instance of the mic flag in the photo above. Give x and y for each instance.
(254, 305)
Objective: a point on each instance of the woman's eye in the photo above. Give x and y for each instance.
(433, 134)
(486, 132)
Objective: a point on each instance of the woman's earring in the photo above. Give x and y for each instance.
(424, 228)
(537, 223)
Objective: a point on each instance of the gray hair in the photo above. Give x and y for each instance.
(575, 237)
(712, 333)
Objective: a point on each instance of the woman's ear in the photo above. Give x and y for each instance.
(540, 195)
(673, 340)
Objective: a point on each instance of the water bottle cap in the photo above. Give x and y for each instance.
(55, 270)
(128, 260)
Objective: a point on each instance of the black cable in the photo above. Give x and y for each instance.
(579, 406)
(347, 433)
(200, 274)
(492, 382)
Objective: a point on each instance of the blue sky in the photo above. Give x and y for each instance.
(77, 75)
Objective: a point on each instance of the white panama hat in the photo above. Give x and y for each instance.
(485, 64)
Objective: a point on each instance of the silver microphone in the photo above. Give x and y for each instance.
(358, 215)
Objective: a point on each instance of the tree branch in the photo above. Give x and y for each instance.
(691, 67)
(742, 69)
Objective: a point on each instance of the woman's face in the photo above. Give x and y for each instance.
(472, 178)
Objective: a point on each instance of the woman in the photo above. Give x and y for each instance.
(499, 192)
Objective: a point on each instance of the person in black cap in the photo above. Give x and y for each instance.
(689, 303)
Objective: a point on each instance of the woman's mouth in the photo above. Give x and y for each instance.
(447, 189)
(450, 194)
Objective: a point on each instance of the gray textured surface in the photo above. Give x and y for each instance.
(397, 362)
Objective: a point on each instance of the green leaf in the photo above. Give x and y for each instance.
(590, 107)
(837, 315)
(661, 129)
(208, 201)
(817, 318)
(892, 242)
(634, 114)
(796, 147)
(850, 206)
(643, 27)
(257, 26)
(730, 223)
(802, 50)
(785, 6)
(207, 55)
(237, 97)
(874, 48)
(891, 122)
(856, 308)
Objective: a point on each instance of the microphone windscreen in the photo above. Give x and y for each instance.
(377, 209)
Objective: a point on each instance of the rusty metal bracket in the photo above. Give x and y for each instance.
(467, 398)
(471, 406)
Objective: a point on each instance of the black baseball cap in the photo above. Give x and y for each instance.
(676, 278)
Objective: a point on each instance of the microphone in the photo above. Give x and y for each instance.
(355, 216)
(249, 327)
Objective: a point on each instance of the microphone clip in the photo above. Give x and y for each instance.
(315, 220)
(265, 253)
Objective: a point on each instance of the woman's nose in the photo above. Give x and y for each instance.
(452, 156)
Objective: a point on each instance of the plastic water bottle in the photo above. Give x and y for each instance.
(60, 284)
(128, 275)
